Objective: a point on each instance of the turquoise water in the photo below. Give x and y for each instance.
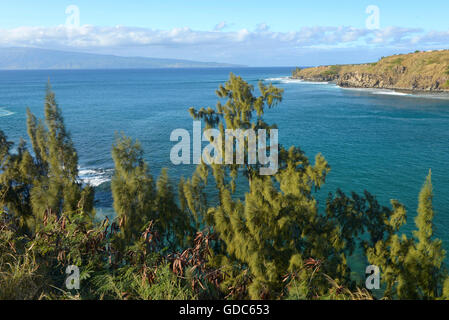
(373, 140)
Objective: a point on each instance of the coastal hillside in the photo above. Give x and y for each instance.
(418, 71)
(33, 59)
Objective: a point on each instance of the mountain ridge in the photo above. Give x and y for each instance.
(21, 58)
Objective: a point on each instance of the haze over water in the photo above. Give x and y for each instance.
(374, 140)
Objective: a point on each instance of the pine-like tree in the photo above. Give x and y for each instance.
(137, 201)
(175, 223)
(46, 184)
(272, 229)
(17, 173)
(56, 188)
(412, 268)
(132, 188)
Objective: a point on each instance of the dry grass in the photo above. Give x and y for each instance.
(428, 71)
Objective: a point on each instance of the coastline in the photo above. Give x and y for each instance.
(415, 73)
(443, 94)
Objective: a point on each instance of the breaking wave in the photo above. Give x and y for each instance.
(95, 177)
(4, 112)
(291, 80)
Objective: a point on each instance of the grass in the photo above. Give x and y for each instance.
(397, 61)
(333, 70)
(446, 85)
(422, 70)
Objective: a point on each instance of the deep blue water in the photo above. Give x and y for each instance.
(376, 141)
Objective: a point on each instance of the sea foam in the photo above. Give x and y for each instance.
(4, 112)
(95, 177)
(291, 80)
(379, 91)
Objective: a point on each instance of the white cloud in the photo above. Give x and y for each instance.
(220, 26)
(433, 38)
(236, 46)
(262, 27)
(88, 36)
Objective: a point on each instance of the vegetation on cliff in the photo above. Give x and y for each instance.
(274, 243)
(419, 71)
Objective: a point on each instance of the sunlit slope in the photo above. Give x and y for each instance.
(420, 71)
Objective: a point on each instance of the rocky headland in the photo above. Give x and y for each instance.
(419, 71)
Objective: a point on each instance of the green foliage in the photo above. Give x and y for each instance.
(45, 184)
(397, 61)
(129, 284)
(55, 188)
(273, 242)
(18, 174)
(331, 71)
(132, 187)
(446, 84)
(296, 72)
(137, 201)
(18, 278)
(431, 61)
(412, 267)
(175, 223)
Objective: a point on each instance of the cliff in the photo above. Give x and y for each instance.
(419, 71)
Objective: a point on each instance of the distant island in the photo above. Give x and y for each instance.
(419, 71)
(43, 59)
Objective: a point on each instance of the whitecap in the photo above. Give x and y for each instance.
(432, 95)
(4, 112)
(95, 177)
(291, 80)
(424, 95)
(379, 91)
(391, 93)
(276, 79)
(315, 82)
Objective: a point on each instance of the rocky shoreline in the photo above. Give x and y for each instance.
(417, 72)
(369, 81)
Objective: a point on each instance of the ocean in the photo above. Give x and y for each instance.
(378, 140)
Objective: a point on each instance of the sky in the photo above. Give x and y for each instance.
(254, 33)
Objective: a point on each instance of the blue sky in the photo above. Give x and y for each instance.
(247, 32)
(205, 14)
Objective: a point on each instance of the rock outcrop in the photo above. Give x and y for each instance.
(420, 71)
